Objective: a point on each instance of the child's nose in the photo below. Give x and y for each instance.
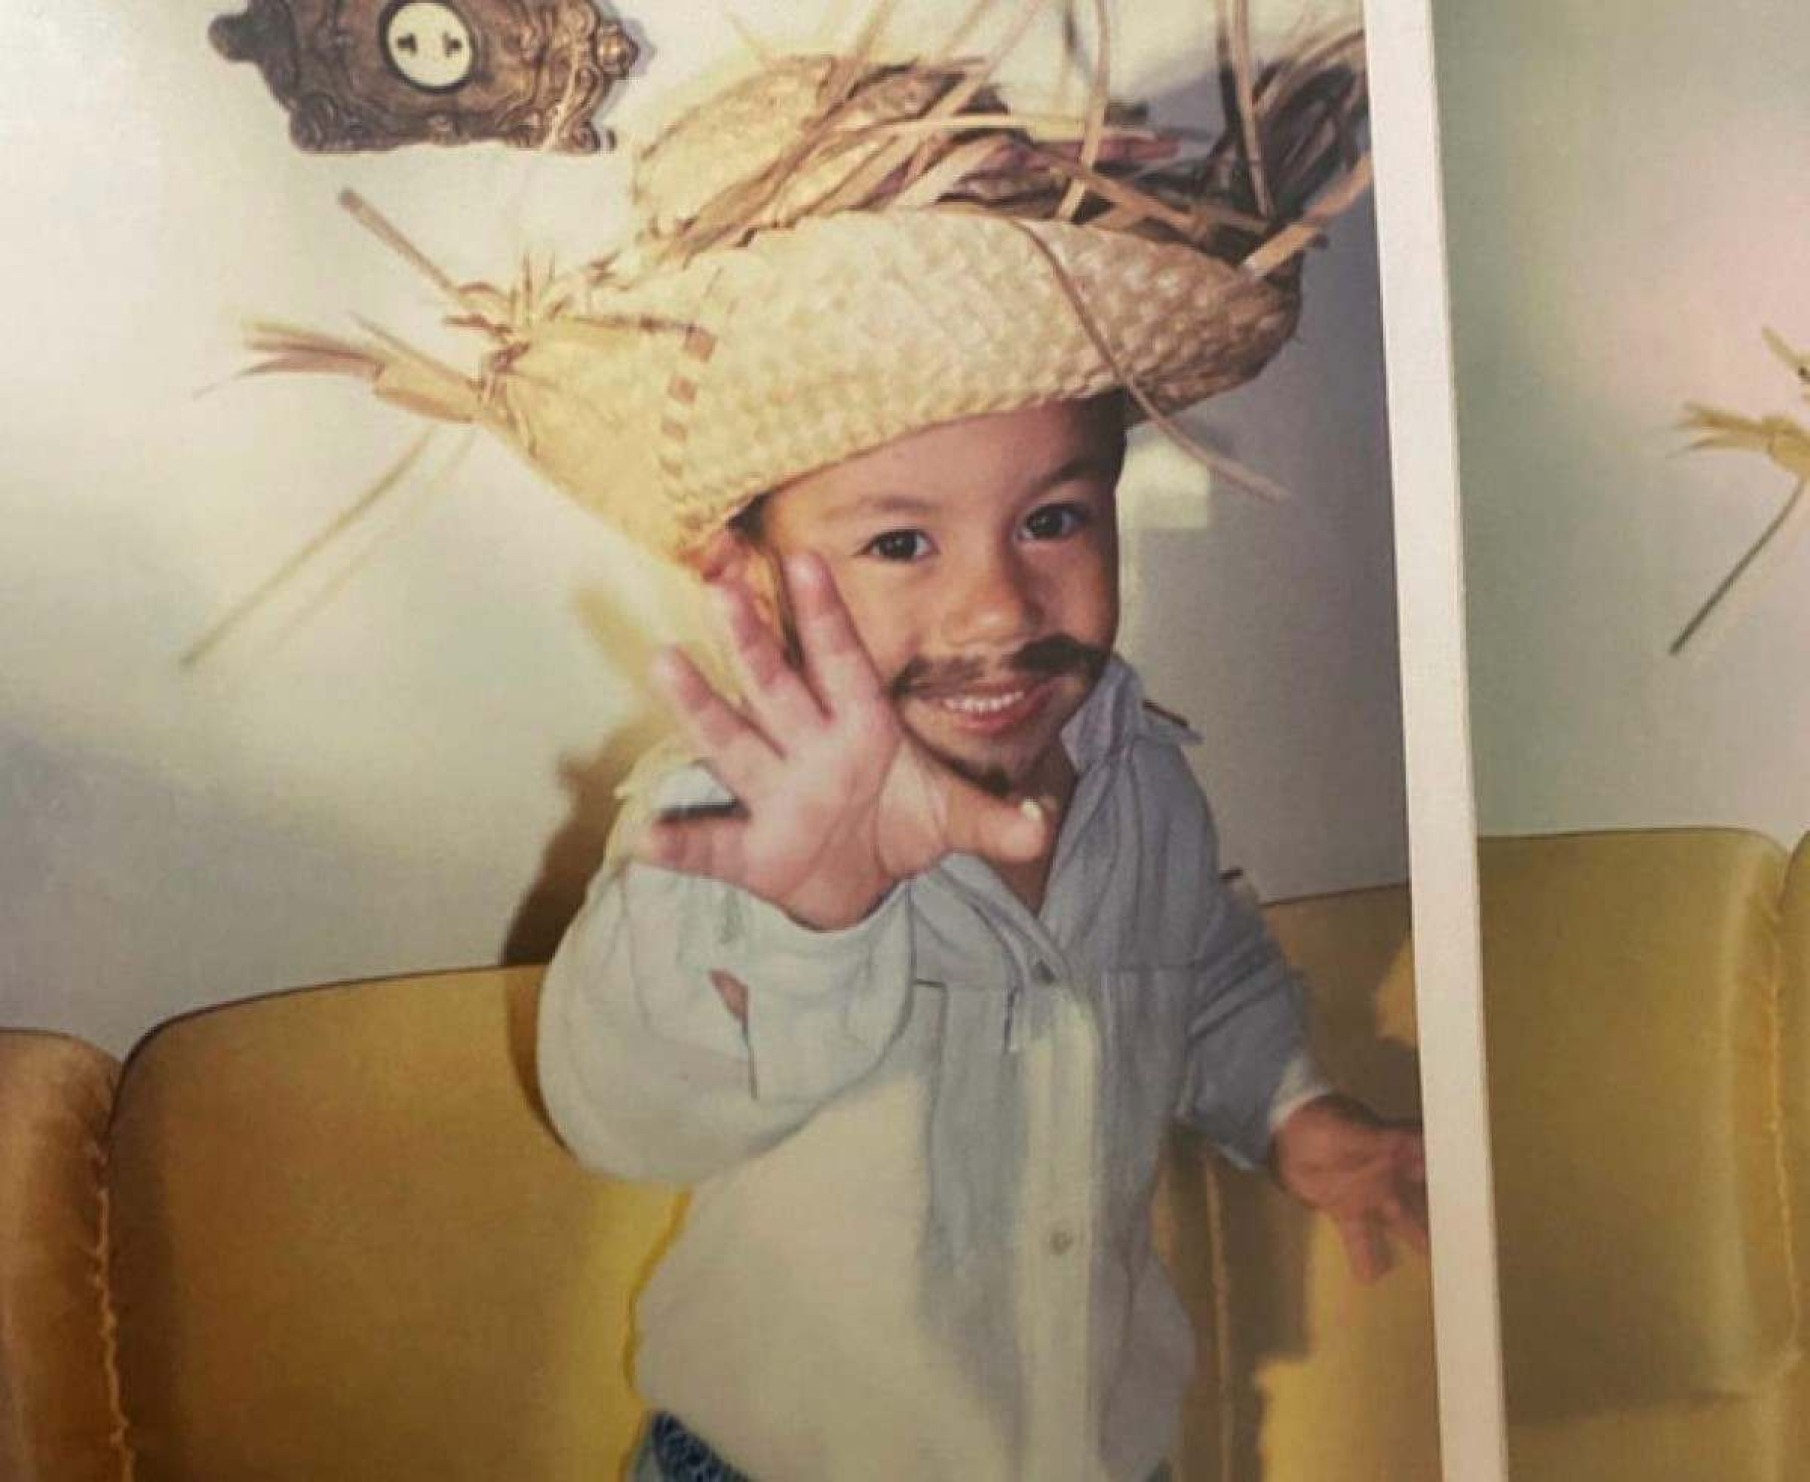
(996, 602)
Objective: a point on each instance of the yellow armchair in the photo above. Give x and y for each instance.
(327, 1234)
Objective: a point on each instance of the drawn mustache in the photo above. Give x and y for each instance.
(1042, 658)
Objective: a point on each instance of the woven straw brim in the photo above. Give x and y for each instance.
(665, 406)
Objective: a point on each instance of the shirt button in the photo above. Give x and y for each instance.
(1061, 1241)
(1041, 973)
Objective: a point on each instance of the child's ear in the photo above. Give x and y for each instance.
(717, 555)
(733, 557)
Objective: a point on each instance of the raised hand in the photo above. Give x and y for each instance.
(1366, 1175)
(837, 801)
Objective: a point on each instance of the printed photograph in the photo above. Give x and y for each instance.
(1627, 207)
(702, 760)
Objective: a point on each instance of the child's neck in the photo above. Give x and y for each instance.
(1052, 783)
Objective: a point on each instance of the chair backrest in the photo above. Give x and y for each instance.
(1635, 987)
(346, 1245)
(1648, 1011)
(1304, 1375)
(1794, 1034)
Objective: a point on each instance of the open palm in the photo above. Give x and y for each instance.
(1366, 1175)
(837, 801)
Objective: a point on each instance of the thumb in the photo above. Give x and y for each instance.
(1007, 830)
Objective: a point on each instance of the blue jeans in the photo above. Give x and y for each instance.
(691, 1460)
(671, 1453)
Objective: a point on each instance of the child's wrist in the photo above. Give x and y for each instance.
(837, 909)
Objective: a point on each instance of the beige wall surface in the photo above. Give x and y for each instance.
(1629, 205)
(399, 761)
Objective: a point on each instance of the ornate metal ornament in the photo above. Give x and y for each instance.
(375, 74)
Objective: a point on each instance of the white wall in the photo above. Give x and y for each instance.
(1273, 630)
(370, 777)
(1628, 204)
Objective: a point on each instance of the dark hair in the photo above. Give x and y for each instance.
(750, 520)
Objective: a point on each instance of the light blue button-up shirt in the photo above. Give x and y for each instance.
(920, 1244)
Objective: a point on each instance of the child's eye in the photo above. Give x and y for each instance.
(898, 545)
(1054, 521)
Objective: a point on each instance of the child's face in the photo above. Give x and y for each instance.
(979, 560)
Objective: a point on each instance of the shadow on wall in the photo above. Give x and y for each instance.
(575, 852)
(629, 641)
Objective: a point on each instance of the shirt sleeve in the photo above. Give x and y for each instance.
(1248, 1065)
(646, 1073)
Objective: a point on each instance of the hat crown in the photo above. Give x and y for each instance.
(834, 252)
(775, 144)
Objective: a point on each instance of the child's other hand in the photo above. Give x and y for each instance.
(1367, 1175)
(838, 803)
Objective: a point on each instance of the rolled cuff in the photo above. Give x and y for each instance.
(1301, 1083)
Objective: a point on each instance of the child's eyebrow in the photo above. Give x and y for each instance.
(889, 506)
(900, 505)
(1083, 466)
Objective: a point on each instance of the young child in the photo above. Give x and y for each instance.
(916, 1042)
(908, 966)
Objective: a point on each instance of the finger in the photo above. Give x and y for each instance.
(1408, 1219)
(1004, 830)
(1365, 1248)
(735, 750)
(836, 661)
(775, 691)
(1413, 1230)
(1414, 1155)
(716, 847)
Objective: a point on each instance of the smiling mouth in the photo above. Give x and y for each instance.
(989, 711)
(981, 704)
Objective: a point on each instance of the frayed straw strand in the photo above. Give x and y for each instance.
(340, 525)
(1128, 197)
(1237, 67)
(379, 225)
(1782, 440)
(853, 64)
(1295, 239)
(1793, 506)
(286, 349)
(363, 556)
(946, 174)
(1047, 128)
(1098, 99)
(1799, 363)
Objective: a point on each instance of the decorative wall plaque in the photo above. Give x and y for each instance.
(373, 74)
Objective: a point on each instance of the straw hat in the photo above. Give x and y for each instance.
(833, 253)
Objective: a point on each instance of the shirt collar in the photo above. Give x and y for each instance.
(1114, 715)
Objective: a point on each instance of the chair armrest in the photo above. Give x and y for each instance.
(59, 1418)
